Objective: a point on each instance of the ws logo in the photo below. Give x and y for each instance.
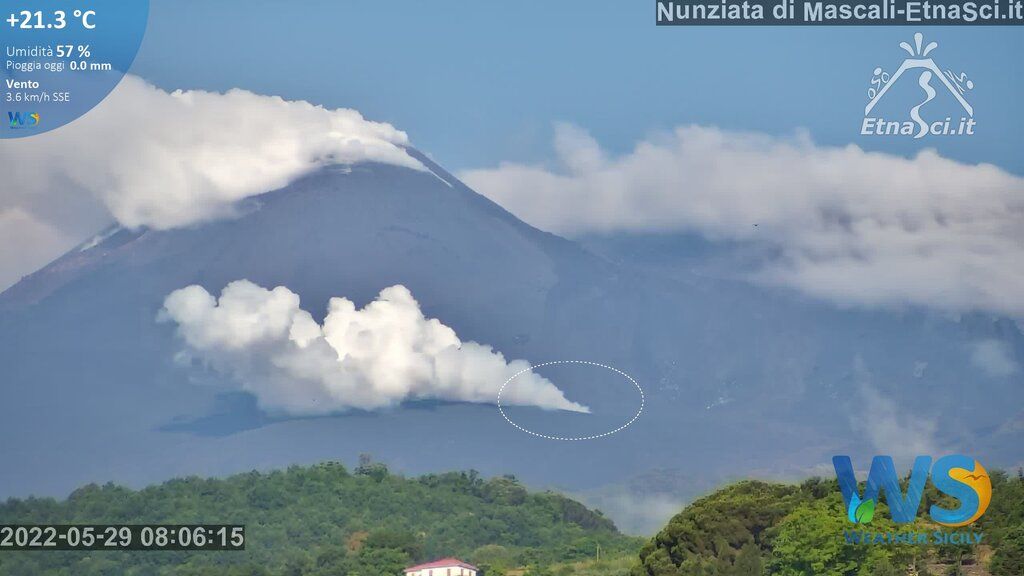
(958, 476)
(20, 120)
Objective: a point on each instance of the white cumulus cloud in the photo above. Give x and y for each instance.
(370, 358)
(147, 157)
(845, 224)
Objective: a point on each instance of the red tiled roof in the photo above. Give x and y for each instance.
(442, 563)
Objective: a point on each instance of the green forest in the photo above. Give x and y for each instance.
(328, 520)
(753, 528)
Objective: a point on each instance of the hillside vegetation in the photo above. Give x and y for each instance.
(754, 528)
(325, 520)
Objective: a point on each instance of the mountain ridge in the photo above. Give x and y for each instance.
(738, 376)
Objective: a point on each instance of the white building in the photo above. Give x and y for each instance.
(442, 567)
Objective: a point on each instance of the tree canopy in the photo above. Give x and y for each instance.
(326, 520)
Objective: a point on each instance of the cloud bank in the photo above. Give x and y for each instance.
(146, 157)
(636, 514)
(889, 428)
(994, 357)
(846, 225)
(37, 242)
(370, 358)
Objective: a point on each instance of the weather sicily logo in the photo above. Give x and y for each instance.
(22, 120)
(927, 82)
(958, 476)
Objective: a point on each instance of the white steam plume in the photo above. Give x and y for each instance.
(369, 358)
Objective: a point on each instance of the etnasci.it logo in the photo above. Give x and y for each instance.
(23, 120)
(955, 120)
(961, 477)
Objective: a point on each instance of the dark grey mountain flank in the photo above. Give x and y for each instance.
(739, 379)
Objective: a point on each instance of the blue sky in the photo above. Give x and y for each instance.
(476, 83)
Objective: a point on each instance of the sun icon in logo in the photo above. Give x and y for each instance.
(980, 482)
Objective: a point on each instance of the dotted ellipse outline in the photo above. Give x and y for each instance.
(643, 400)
